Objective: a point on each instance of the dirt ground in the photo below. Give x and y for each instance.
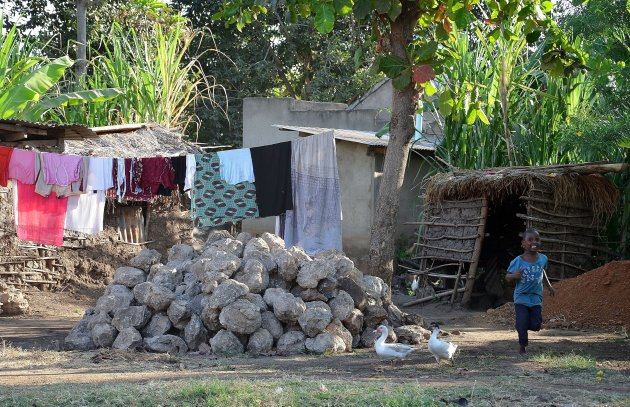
(487, 357)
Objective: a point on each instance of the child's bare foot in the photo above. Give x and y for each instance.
(521, 350)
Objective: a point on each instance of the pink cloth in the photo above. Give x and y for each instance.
(22, 166)
(61, 169)
(40, 219)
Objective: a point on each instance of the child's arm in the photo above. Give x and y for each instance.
(514, 276)
(552, 291)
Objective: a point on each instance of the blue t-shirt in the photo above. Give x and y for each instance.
(529, 289)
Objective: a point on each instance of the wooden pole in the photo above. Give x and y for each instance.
(429, 298)
(472, 271)
(459, 273)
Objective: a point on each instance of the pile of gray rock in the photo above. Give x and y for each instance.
(12, 301)
(238, 295)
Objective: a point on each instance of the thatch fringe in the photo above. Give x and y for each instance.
(593, 190)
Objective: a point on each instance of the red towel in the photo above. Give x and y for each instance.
(5, 157)
(40, 219)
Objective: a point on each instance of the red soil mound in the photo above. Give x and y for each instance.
(597, 298)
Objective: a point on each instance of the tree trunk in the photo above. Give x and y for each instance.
(81, 40)
(382, 236)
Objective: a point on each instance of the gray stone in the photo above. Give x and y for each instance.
(193, 289)
(253, 276)
(226, 293)
(275, 281)
(154, 296)
(271, 294)
(336, 328)
(226, 343)
(260, 342)
(110, 303)
(100, 317)
(265, 258)
(241, 317)
(215, 235)
(315, 318)
(257, 300)
(311, 294)
(12, 301)
(328, 287)
(288, 308)
(291, 343)
(128, 339)
(195, 333)
(375, 287)
(211, 280)
(118, 290)
(244, 237)
(180, 290)
(129, 276)
(165, 344)
(229, 245)
(394, 315)
(354, 322)
(299, 255)
(412, 334)
(271, 324)
(214, 259)
(181, 266)
(80, 337)
(198, 302)
(273, 241)
(165, 276)
(210, 318)
(342, 305)
(158, 325)
(180, 252)
(356, 341)
(179, 313)
(355, 290)
(135, 316)
(373, 315)
(255, 244)
(325, 342)
(145, 259)
(287, 265)
(311, 273)
(103, 335)
(343, 267)
(328, 254)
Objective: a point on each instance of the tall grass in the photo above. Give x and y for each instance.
(159, 74)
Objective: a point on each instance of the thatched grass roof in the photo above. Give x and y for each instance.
(147, 141)
(570, 184)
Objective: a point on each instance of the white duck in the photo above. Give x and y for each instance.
(390, 350)
(438, 348)
(414, 284)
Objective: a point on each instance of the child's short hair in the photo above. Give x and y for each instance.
(530, 231)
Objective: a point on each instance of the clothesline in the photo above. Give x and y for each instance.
(56, 191)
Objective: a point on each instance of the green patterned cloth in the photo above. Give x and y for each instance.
(214, 201)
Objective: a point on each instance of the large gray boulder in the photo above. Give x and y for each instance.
(215, 235)
(342, 305)
(273, 241)
(265, 258)
(257, 300)
(310, 294)
(229, 245)
(129, 276)
(355, 290)
(226, 343)
(287, 265)
(260, 342)
(158, 325)
(244, 237)
(128, 339)
(211, 280)
(254, 276)
(12, 300)
(165, 344)
(210, 318)
(315, 318)
(272, 324)
(226, 293)
(325, 342)
(215, 260)
(100, 317)
(180, 252)
(165, 276)
(412, 334)
(272, 294)
(312, 273)
(179, 313)
(154, 296)
(328, 287)
(135, 316)
(373, 315)
(354, 322)
(299, 255)
(255, 244)
(103, 335)
(80, 337)
(195, 333)
(288, 308)
(375, 287)
(241, 317)
(145, 259)
(336, 328)
(115, 296)
(291, 343)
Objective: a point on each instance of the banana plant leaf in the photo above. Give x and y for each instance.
(34, 111)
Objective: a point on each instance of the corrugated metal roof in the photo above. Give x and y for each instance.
(356, 136)
(42, 131)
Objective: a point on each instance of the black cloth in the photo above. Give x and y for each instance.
(272, 170)
(179, 165)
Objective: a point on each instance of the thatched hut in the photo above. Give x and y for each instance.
(473, 220)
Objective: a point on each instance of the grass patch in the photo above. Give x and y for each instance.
(237, 393)
(569, 361)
